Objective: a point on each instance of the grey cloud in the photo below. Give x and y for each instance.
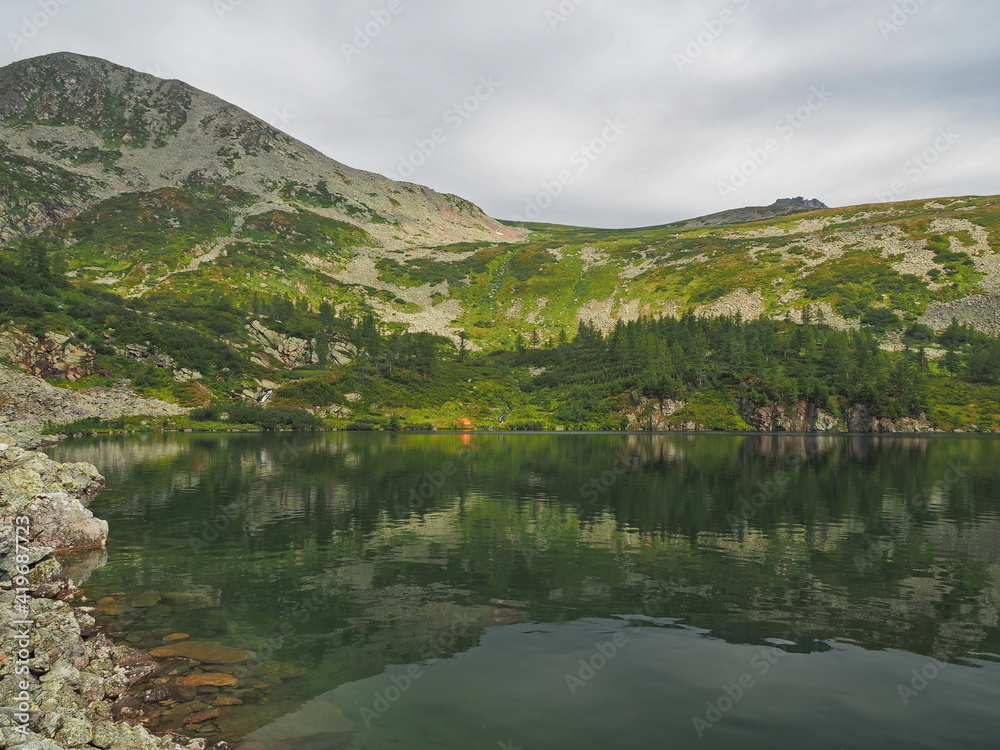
(898, 70)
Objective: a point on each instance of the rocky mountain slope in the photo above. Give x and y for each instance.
(79, 130)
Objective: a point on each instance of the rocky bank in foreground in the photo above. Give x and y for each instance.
(72, 680)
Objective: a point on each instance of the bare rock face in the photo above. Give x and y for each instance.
(654, 414)
(798, 417)
(860, 419)
(800, 202)
(51, 356)
(288, 350)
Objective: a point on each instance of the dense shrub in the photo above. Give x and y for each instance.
(274, 418)
(881, 320)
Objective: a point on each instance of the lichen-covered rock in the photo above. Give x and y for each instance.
(51, 496)
(74, 732)
(62, 522)
(74, 671)
(37, 745)
(29, 473)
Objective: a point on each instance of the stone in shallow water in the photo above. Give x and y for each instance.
(158, 694)
(194, 600)
(202, 716)
(240, 721)
(324, 741)
(214, 679)
(207, 651)
(279, 670)
(148, 599)
(318, 721)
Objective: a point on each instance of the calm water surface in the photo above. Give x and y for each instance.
(564, 591)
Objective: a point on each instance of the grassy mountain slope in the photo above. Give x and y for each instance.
(923, 260)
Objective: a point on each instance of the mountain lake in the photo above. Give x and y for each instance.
(314, 591)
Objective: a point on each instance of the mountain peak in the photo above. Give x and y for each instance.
(102, 129)
(120, 104)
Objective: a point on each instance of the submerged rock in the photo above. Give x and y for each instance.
(192, 599)
(147, 600)
(205, 651)
(213, 679)
(279, 670)
(202, 716)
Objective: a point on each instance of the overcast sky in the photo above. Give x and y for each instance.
(591, 112)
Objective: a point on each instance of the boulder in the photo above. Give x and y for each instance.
(60, 521)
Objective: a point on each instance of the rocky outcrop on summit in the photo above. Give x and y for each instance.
(800, 202)
(744, 215)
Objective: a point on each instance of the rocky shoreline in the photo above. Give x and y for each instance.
(663, 415)
(65, 685)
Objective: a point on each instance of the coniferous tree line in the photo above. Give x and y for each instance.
(762, 361)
